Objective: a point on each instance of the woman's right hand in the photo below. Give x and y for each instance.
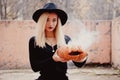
(58, 58)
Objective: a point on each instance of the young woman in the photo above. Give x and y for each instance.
(43, 47)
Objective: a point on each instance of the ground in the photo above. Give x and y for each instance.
(85, 73)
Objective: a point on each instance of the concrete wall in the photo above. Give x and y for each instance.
(116, 42)
(15, 36)
(14, 43)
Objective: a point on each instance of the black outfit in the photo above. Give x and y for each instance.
(41, 60)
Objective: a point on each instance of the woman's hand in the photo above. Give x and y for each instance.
(58, 58)
(80, 59)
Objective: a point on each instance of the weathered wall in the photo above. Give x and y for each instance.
(116, 42)
(16, 34)
(14, 43)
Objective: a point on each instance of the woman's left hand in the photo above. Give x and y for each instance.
(80, 60)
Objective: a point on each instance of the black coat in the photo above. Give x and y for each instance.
(41, 60)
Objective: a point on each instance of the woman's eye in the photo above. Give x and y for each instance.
(48, 20)
(54, 20)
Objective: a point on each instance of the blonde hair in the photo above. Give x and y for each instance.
(40, 36)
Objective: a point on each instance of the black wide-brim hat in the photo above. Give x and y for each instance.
(51, 7)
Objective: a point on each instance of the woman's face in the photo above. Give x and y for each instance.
(51, 22)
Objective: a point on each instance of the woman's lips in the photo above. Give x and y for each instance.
(50, 27)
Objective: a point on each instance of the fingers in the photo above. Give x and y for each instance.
(82, 57)
(57, 58)
(63, 52)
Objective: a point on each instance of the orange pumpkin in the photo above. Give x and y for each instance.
(71, 53)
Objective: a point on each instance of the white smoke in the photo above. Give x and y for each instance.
(84, 38)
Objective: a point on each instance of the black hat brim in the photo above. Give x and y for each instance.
(61, 14)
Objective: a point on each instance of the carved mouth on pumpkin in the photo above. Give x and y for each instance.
(74, 53)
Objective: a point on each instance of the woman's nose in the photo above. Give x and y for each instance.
(50, 23)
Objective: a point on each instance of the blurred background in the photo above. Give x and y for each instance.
(17, 26)
(78, 9)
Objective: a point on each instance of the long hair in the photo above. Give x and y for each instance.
(40, 35)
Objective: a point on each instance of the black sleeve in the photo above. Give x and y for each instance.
(79, 64)
(38, 60)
